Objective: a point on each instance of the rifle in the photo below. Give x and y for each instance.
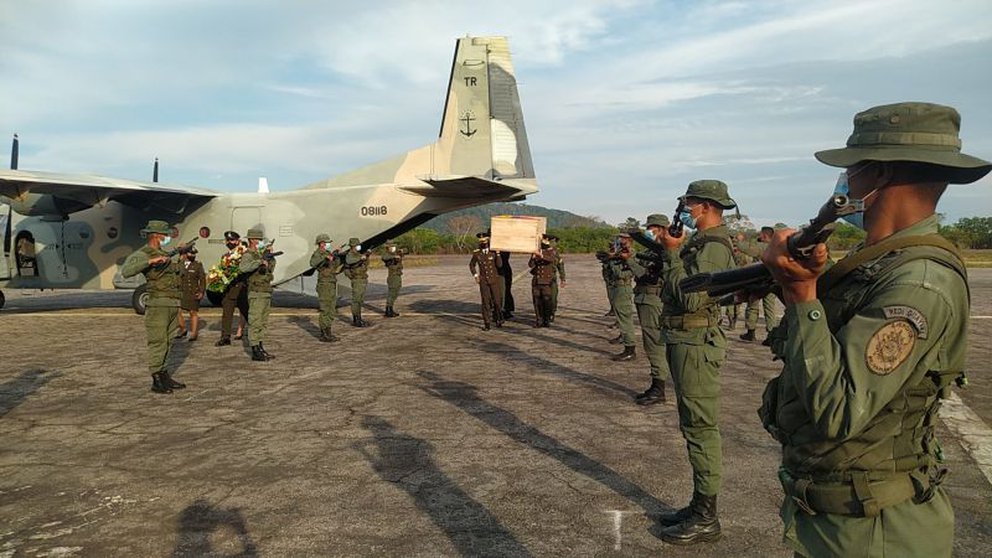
(182, 248)
(677, 226)
(756, 278)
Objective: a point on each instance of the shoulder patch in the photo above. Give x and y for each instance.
(910, 314)
(890, 346)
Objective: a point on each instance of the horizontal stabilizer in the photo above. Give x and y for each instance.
(462, 187)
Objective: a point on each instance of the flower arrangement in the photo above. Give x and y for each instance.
(221, 274)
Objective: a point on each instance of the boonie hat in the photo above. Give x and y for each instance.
(322, 238)
(916, 132)
(255, 234)
(354, 241)
(156, 226)
(658, 220)
(712, 190)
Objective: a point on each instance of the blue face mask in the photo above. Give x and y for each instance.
(165, 241)
(856, 207)
(261, 244)
(687, 219)
(649, 233)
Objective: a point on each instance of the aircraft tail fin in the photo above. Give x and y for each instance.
(482, 128)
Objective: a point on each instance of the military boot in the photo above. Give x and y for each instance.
(268, 356)
(700, 524)
(389, 313)
(257, 354)
(225, 340)
(654, 394)
(748, 336)
(326, 336)
(629, 352)
(357, 321)
(170, 382)
(159, 385)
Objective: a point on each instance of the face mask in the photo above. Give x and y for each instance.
(545, 245)
(358, 248)
(856, 207)
(392, 250)
(165, 241)
(687, 219)
(261, 244)
(649, 233)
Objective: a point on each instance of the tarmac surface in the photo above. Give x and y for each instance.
(420, 436)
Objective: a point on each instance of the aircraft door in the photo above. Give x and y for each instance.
(5, 230)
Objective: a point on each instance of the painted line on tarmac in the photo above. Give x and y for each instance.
(975, 436)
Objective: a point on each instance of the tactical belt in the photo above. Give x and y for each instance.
(859, 497)
(689, 321)
(647, 289)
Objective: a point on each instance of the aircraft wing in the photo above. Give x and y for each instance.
(98, 190)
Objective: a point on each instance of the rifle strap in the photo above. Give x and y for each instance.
(844, 267)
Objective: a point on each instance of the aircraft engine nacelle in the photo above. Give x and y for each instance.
(46, 206)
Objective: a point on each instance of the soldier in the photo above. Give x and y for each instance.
(873, 345)
(647, 271)
(506, 272)
(257, 264)
(192, 287)
(393, 259)
(328, 264)
(559, 274)
(604, 262)
(162, 309)
(356, 269)
(623, 296)
(742, 257)
(542, 265)
(767, 302)
(485, 265)
(235, 294)
(696, 347)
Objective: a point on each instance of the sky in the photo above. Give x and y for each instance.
(625, 101)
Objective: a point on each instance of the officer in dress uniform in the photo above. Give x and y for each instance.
(506, 272)
(542, 268)
(192, 287)
(356, 268)
(257, 264)
(393, 260)
(328, 264)
(235, 295)
(872, 345)
(485, 265)
(559, 275)
(162, 309)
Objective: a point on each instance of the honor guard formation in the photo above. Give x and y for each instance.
(868, 345)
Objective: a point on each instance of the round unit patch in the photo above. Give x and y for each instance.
(889, 346)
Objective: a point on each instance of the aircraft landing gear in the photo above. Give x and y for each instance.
(139, 299)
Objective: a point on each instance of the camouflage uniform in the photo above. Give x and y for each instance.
(484, 266)
(393, 260)
(696, 347)
(162, 308)
(356, 269)
(328, 264)
(258, 266)
(542, 268)
(867, 362)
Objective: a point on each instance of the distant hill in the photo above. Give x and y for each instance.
(557, 218)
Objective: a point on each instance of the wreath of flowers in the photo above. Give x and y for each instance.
(224, 272)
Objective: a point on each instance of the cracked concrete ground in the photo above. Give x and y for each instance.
(420, 436)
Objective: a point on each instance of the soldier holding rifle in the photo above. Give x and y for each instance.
(647, 269)
(873, 344)
(328, 264)
(258, 263)
(696, 347)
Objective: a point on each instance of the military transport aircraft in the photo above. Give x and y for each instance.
(73, 231)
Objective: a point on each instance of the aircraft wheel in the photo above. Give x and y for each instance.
(215, 298)
(139, 299)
